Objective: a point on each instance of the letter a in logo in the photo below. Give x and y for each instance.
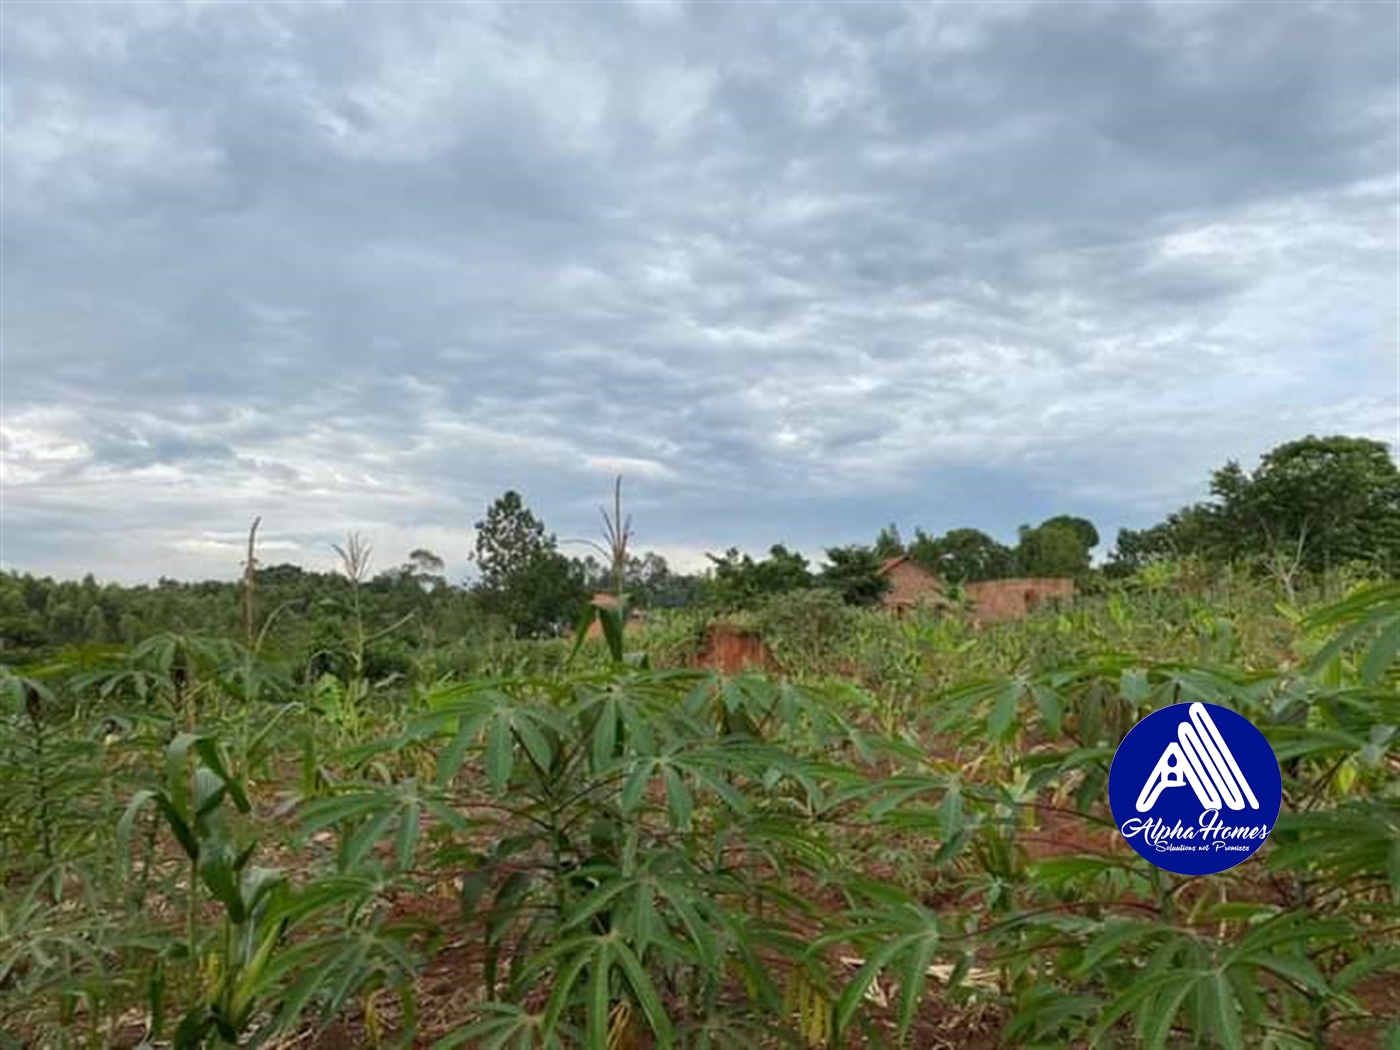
(1200, 757)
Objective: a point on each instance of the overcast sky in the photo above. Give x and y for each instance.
(794, 272)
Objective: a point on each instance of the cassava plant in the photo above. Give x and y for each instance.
(628, 844)
(276, 950)
(1092, 945)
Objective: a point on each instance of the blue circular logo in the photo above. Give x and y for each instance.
(1195, 788)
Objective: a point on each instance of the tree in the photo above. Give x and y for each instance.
(507, 540)
(889, 544)
(783, 570)
(1320, 501)
(1081, 527)
(856, 573)
(524, 578)
(423, 562)
(962, 555)
(1052, 549)
(651, 580)
(1191, 531)
(739, 581)
(95, 625)
(1311, 504)
(65, 622)
(423, 571)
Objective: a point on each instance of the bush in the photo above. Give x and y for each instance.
(808, 631)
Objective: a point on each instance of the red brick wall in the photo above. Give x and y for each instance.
(911, 585)
(996, 600)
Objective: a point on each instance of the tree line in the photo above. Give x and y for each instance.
(1310, 506)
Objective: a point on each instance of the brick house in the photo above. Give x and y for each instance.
(911, 586)
(993, 601)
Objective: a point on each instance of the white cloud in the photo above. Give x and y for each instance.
(793, 274)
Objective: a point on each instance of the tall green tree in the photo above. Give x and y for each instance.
(95, 625)
(1322, 500)
(889, 544)
(1190, 531)
(962, 555)
(1056, 547)
(1311, 504)
(738, 581)
(425, 567)
(855, 573)
(524, 579)
(1081, 527)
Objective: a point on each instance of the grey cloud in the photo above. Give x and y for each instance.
(795, 272)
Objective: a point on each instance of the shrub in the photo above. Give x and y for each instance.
(808, 631)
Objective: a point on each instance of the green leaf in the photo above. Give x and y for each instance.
(338, 809)
(216, 871)
(950, 810)
(362, 840)
(581, 625)
(645, 928)
(1057, 870)
(726, 791)
(535, 744)
(1224, 1013)
(701, 937)
(1337, 646)
(1134, 687)
(635, 786)
(1300, 970)
(500, 752)
(1164, 1009)
(1115, 936)
(595, 902)
(127, 822)
(854, 992)
(178, 827)
(449, 761)
(677, 798)
(1048, 703)
(1241, 911)
(646, 995)
(913, 977)
(1137, 994)
(209, 791)
(1372, 962)
(599, 997)
(604, 742)
(1004, 711)
(208, 749)
(1381, 654)
(407, 840)
(611, 617)
(564, 981)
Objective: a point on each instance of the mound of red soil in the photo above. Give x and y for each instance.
(730, 649)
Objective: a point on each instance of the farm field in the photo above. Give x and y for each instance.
(897, 834)
(699, 525)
